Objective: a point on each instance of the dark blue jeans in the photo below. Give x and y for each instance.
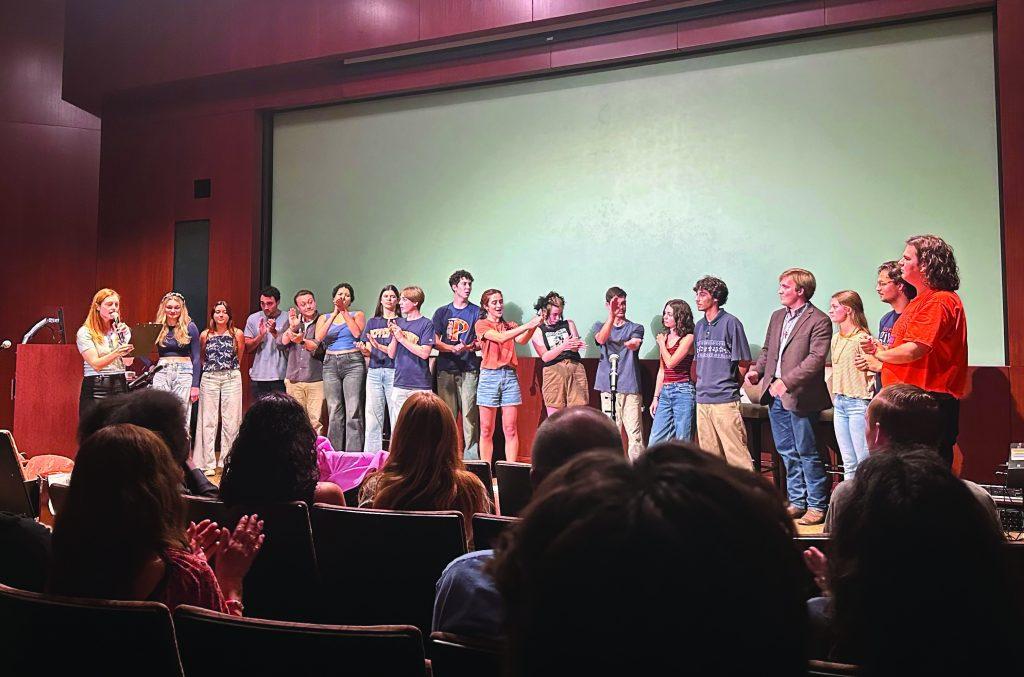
(806, 482)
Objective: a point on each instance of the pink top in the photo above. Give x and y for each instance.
(347, 469)
(188, 580)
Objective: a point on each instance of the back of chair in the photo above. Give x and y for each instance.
(217, 645)
(14, 492)
(284, 581)
(400, 556)
(482, 469)
(487, 529)
(828, 669)
(514, 488)
(43, 634)
(455, 656)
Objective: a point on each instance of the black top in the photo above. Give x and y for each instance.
(555, 335)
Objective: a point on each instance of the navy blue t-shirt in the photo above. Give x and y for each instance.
(378, 327)
(885, 338)
(457, 325)
(411, 372)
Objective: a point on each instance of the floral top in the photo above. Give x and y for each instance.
(188, 579)
(221, 354)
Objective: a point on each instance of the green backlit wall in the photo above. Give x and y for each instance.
(824, 153)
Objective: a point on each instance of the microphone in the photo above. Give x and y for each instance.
(6, 344)
(613, 374)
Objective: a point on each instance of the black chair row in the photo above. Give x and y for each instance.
(18, 495)
(344, 565)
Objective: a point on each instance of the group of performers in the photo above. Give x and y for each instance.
(366, 368)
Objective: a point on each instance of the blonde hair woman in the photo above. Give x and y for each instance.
(105, 343)
(851, 388)
(177, 346)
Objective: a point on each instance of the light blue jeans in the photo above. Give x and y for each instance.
(674, 417)
(850, 423)
(176, 378)
(379, 383)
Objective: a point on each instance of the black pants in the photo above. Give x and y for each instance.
(98, 388)
(949, 413)
(261, 388)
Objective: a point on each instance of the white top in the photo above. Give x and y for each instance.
(109, 343)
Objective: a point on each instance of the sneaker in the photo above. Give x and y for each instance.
(812, 517)
(795, 511)
(210, 472)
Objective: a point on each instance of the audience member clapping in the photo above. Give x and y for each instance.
(424, 470)
(120, 534)
(274, 458)
(155, 410)
(676, 563)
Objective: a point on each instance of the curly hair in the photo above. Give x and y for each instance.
(273, 458)
(683, 316)
(717, 288)
(552, 298)
(457, 276)
(937, 263)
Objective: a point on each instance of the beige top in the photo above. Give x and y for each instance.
(846, 378)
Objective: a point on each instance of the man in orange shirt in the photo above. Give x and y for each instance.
(929, 347)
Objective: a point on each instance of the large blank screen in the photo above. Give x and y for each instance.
(823, 153)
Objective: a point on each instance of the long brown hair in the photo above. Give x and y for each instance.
(212, 326)
(683, 316)
(851, 300)
(424, 470)
(93, 321)
(123, 507)
(484, 299)
(937, 263)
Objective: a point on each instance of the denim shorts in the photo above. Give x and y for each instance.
(498, 388)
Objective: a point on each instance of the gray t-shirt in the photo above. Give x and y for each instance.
(719, 347)
(110, 342)
(629, 360)
(271, 362)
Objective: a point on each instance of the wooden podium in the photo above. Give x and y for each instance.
(47, 382)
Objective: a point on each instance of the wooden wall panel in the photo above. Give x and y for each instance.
(443, 18)
(861, 11)
(555, 9)
(370, 24)
(786, 20)
(648, 41)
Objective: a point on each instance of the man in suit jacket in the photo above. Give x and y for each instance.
(793, 361)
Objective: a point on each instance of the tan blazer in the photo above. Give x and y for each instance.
(803, 360)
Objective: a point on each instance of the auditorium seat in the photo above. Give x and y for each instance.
(18, 495)
(44, 634)
(284, 581)
(216, 645)
(487, 529)
(381, 566)
(514, 488)
(828, 669)
(457, 656)
(482, 469)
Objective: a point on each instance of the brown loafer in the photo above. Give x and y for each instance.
(794, 511)
(812, 517)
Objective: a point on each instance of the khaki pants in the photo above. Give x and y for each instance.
(628, 412)
(720, 431)
(311, 397)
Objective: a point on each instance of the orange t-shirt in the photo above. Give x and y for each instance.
(935, 319)
(496, 354)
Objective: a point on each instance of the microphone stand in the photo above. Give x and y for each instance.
(613, 377)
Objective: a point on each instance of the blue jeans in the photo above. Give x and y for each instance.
(806, 483)
(379, 382)
(674, 417)
(848, 417)
(344, 379)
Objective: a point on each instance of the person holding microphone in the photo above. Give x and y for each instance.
(105, 344)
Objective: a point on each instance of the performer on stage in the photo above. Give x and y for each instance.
(499, 385)
(851, 388)
(618, 336)
(220, 389)
(177, 346)
(380, 377)
(269, 366)
(457, 364)
(558, 344)
(898, 293)
(344, 370)
(929, 347)
(412, 340)
(673, 406)
(104, 342)
(793, 361)
(304, 379)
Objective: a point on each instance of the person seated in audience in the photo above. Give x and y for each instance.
(161, 412)
(121, 535)
(25, 544)
(901, 416)
(915, 574)
(676, 563)
(424, 470)
(467, 601)
(274, 457)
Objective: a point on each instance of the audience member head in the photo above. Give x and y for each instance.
(273, 458)
(915, 570)
(424, 470)
(155, 410)
(567, 433)
(903, 415)
(891, 284)
(928, 260)
(123, 507)
(608, 550)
